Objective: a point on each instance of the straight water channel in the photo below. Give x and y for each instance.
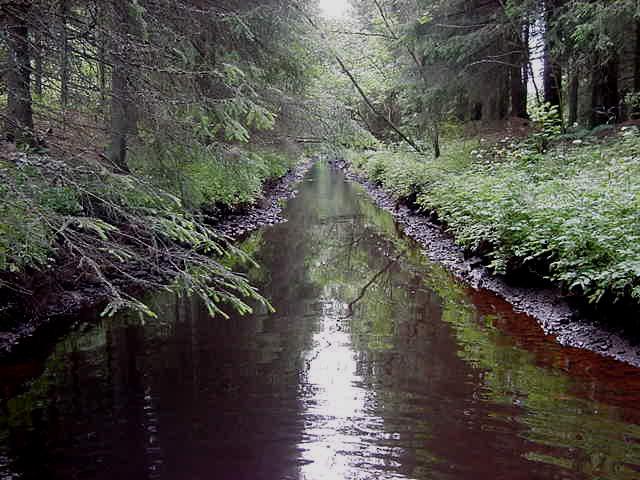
(376, 365)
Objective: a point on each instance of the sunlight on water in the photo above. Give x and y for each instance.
(337, 441)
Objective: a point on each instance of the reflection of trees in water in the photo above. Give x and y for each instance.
(180, 397)
(457, 393)
(562, 430)
(187, 396)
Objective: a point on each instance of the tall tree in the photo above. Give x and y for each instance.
(605, 96)
(518, 75)
(552, 67)
(64, 9)
(123, 106)
(19, 115)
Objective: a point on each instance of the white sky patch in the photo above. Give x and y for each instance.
(334, 8)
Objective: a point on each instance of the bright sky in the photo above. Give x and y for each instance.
(334, 8)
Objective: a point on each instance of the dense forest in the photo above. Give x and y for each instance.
(131, 127)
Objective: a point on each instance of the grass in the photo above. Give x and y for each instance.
(570, 214)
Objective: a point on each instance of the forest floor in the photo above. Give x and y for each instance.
(21, 324)
(480, 211)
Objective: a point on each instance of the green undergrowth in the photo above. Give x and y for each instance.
(569, 214)
(206, 176)
(82, 225)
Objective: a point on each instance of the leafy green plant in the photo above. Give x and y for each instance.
(570, 213)
(548, 125)
(105, 223)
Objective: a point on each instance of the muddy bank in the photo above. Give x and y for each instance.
(268, 210)
(20, 327)
(549, 306)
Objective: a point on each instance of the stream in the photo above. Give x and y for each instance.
(377, 364)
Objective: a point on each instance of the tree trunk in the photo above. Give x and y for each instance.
(605, 97)
(435, 140)
(19, 121)
(102, 43)
(123, 107)
(38, 70)
(518, 85)
(636, 60)
(552, 71)
(119, 124)
(64, 55)
(574, 98)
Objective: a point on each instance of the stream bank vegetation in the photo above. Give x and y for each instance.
(130, 129)
(524, 125)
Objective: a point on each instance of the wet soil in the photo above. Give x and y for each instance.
(558, 314)
(268, 211)
(54, 304)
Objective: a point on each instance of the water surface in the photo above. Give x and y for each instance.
(376, 364)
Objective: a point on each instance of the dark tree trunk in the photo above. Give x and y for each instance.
(574, 98)
(102, 77)
(101, 13)
(636, 60)
(462, 110)
(518, 84)
(38, 70)
(552, 71)
(497, 105)
(518, 93)
(435, 140)
(123, 105)
(19, 121)
(605, 97)
(552, 81)
(119, 124)
(64, 55)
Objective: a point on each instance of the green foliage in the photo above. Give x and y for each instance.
(104, 222)
(632, 101)
(548, 125)
(573, 209)
(210, 175)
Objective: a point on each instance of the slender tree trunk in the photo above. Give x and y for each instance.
(101, 40)
(636, 60)
(123, 108)
(574, 95)
(119, 130)
(19, 121)
(605, 97)
(39, 70)
(435, 140)
(552, 81)
(518, 85)
(634, 112)
(102, 77)
(64, 55)
(518, 93)
(552, 70)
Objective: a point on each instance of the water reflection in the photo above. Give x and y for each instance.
(376, 365)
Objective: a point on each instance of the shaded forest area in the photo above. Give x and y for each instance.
(433, 62)
(515, 125)
(131, 127)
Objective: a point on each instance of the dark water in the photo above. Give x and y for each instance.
(376, 365)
